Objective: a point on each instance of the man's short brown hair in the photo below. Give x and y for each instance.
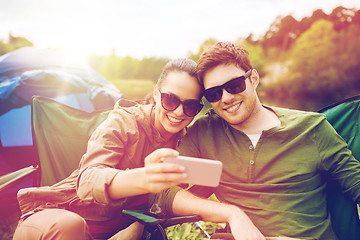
(222, 53)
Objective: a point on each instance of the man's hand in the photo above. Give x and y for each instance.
(241, 226)
(160, 175)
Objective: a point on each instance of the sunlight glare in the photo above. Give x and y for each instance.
(73, 56)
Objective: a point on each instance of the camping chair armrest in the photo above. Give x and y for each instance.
(9, 178)
(146, 219)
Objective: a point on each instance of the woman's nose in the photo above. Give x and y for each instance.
(179, 111)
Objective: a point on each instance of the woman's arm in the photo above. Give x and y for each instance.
(153, 178)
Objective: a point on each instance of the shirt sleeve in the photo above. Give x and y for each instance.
(105, 157)
(162, 202)
(337, 160)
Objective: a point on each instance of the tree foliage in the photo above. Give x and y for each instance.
(14, 43)
(324, 66)
(256, 54)
(115, 67)
(284, 31)
(205, 45)
(310, 62)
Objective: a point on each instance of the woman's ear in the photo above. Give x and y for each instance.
(156, 93)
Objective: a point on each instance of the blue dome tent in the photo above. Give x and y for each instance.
(29, 72)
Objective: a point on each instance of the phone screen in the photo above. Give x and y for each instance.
(205, 172)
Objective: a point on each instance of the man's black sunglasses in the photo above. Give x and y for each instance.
(234, 86)
(191, 107)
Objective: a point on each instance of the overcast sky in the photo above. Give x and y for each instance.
(144, 28)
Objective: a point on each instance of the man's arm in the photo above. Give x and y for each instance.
(337, 159)
(241, 226)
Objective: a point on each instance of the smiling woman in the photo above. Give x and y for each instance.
(130, 136)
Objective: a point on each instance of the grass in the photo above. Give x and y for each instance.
(134, 89)
(190, 231)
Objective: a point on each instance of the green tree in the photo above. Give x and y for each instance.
(13, 44)
(128, 67)
(4, 48)
(313, 73)
(150, 68)
(205, 45)
(115, 67)
(348, 59)
(313, 55)
(282, 33)
(105, 65)
(257, 55)
(19, 42)
(323, 67)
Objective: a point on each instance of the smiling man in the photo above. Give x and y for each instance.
(274, 159)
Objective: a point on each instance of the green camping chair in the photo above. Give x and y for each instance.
(345, 118)
(61, 134)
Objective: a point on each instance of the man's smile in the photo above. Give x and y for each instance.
(233, 108)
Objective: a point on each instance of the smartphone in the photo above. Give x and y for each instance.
(200, 171)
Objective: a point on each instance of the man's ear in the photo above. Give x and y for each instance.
(254, 78)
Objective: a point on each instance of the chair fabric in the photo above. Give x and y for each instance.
(146, 219)
(61, 134)
(345, 118)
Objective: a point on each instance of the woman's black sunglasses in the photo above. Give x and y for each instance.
(234, 86)
(190, 107)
